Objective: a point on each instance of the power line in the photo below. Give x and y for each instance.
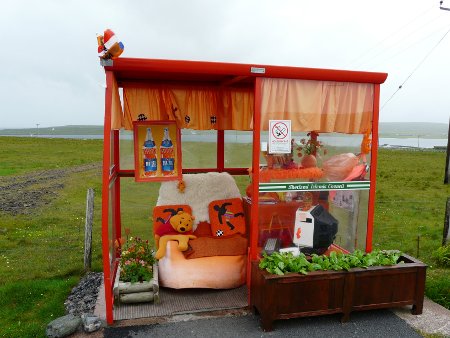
(396, 43)
(408, 47)
(392, 34)
(415, 69)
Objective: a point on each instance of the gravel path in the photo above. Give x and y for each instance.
(22, 194)
(83, 297)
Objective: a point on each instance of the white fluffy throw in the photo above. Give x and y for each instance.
(201, 189)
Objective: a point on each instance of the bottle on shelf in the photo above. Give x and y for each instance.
(150, 159)
(167, 154)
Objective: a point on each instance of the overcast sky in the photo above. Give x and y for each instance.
(51, 74)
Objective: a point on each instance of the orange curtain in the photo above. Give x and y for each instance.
(199, 108)
(322, 106)
(141, 104)
(116, 107)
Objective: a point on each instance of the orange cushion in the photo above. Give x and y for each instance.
(162, 213)
(226, 217)
(212, 246)
(203, 229)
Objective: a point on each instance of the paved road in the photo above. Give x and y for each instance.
(378, 323)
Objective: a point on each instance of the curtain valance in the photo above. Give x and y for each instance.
(322, 106)
(198, 108)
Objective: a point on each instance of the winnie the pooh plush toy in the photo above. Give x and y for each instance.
(177, 228)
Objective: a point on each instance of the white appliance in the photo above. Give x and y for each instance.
(315, 228)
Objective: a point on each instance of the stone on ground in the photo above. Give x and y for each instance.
(63, 326)
(91, 323)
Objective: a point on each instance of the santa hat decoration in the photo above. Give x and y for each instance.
(101, 47)
(109, 46)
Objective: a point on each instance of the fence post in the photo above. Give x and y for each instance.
(88, 229)
(446, 234)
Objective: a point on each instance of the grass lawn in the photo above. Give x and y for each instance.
(21, 155)
(410, 210)
(41, 253)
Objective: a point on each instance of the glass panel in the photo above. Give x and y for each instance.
(238, 149)
(111, 150)
(350, 209)
(137, 202)
(316, 195)
(242, 182)
(126, 150)
(199, 148)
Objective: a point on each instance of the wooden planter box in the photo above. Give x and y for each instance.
(140, 292)
(325, 292)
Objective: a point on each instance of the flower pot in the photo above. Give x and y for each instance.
(325, 292)
(308, 161)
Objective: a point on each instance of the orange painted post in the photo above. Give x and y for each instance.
(116, 204)
(373, 167)
(253, 250)
(105, 198)
(255, 172)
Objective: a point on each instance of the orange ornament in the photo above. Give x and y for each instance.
(365, 144)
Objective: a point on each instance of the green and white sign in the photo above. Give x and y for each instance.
(313, 186)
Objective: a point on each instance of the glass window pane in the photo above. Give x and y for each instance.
(238, 149)
(305, 194)
(126, 150)
(111, 149)
(137, 200)
(199, 148)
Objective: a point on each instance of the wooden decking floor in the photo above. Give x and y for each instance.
(175, 302)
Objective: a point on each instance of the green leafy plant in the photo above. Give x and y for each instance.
(442, 255)
(281, 263)
(136, 260)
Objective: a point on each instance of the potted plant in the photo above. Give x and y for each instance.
(308, 149)
(284, 286)
(137, 279)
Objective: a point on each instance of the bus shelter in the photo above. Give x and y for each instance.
(300, 144)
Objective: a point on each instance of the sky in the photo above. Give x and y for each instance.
(51, 74)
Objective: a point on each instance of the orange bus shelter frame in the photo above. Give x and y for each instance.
(134, 72)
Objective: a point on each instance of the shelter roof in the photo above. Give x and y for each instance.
(221, 73)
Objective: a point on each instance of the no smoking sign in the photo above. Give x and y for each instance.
(279, 136)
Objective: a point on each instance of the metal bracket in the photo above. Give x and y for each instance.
(106, 62)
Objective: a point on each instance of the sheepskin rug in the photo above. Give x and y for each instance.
(201, 189)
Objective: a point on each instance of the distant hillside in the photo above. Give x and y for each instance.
(62, 130)
(413, 129)
(387, 129)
